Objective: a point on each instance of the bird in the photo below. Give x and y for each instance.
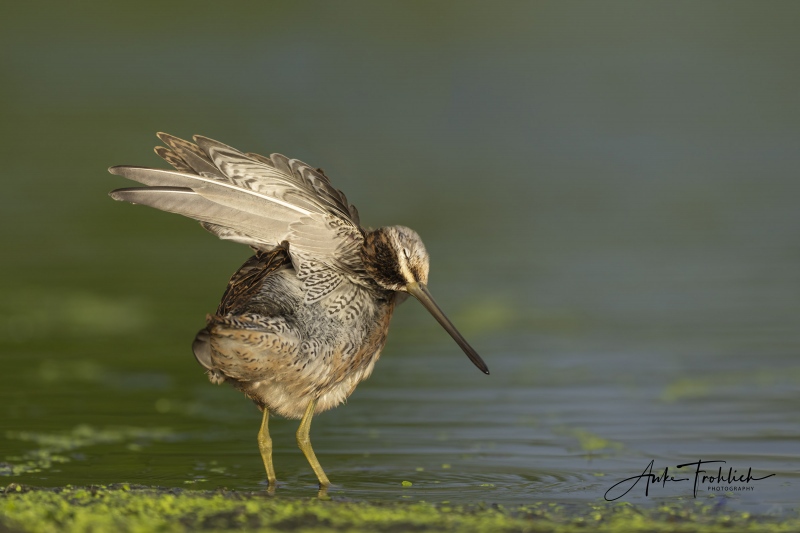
(304, 320)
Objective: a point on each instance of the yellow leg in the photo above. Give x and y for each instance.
(304, 442)
(265, 446)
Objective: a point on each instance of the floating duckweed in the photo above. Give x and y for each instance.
(127, 508)
(406, 483)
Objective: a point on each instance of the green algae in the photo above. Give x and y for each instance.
(591, 444)
(55, 448)
(125, 508)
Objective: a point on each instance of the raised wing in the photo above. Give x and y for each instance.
(259, 201)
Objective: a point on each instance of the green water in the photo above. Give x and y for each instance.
(608, 193)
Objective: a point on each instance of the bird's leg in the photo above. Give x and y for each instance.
(265, 446)
(304, 442)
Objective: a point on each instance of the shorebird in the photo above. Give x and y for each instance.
(304, 320)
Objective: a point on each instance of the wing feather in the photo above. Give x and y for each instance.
(190, 153)
(186, 202)
(173, 159)
(259, 201)
(253, 197)
(306, 183)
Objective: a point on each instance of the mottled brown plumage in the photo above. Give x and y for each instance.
(304, 320)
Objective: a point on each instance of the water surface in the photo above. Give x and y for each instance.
(609, 199)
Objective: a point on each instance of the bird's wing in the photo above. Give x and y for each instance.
(259, 201)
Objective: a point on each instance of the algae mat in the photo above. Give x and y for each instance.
(126, 508)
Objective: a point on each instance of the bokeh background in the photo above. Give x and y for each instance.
(609, 193)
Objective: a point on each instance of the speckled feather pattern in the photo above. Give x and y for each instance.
(282, 351)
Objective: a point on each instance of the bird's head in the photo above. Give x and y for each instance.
(395, 257)
(397, 260)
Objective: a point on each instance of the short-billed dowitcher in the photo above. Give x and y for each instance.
(304, 320)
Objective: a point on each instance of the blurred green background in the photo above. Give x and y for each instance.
(609, 193)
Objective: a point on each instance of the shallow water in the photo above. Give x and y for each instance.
(611, 210)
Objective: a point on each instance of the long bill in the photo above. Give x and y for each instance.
(420, 292)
